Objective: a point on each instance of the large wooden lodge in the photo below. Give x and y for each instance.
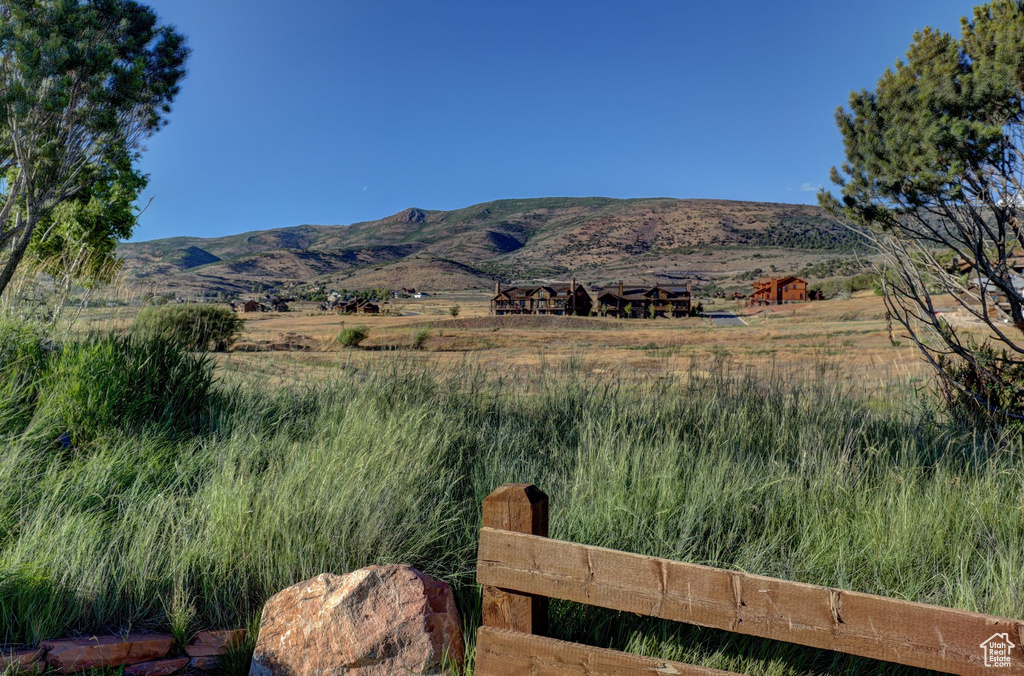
(573, 299)
(555, 299)
(644, 303)
(779, 290)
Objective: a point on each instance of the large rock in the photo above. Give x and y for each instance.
(376, 621)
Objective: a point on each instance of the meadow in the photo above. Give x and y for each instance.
(143, 487)
(301, 344)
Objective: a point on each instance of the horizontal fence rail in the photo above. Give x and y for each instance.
(530, 566)
(500, 651)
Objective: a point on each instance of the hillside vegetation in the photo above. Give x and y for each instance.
(597, 239)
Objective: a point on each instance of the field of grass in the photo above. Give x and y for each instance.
(189, 515)
(791, 338)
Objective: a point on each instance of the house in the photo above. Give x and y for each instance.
(248, 306)
(546, 299)
(779, 290)
(996, 301)
(338, 304)
(644, 303)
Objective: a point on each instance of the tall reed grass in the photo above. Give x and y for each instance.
(147, 527)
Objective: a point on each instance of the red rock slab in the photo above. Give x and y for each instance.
(212, 643)
(157, 668)
(80, 654)
(204, 663)
(24, 661)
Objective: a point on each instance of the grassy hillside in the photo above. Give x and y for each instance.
(596, 239)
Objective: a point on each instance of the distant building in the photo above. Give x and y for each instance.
(351, 306)
(547, 299)
(248, 306)
(995, 301)
(779, 290)
(646, 302)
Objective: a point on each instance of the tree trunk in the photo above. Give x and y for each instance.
(17, 254)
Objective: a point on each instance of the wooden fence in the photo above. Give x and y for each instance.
(520, 568)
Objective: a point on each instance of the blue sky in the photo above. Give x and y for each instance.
(330, 112)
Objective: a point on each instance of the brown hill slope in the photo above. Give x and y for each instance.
(508, 240)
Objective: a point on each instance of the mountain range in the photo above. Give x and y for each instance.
(598, 240)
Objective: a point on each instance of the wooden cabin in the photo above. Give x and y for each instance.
(248, 306)
(547, 299)
(779, 290)
(646, 303)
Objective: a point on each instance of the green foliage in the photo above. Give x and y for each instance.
(454, 310)
(87, 389)
(23, 358)
(419, 338)
(833, 288)
(352, 336)
(833, 267)
(816, 234)
(122, 384)
(80, 235)
(763, 474)
(749, 275)
(986, 384)
(82, 83)
(193, 326)
(379, 294)
(934, 117)
(317, 295)
(933, 166)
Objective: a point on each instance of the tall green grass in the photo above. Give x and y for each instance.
(195, 326)
(147, 528)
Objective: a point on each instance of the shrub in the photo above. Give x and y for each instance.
(419, 338)
(842, 287)
(195, 327)
(985, 386)
(123, 384)
(454, 310)
(22, 363)
(353, 336)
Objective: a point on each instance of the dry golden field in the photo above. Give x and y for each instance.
(849, 338)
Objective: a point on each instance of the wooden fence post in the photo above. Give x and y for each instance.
(521, 508)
